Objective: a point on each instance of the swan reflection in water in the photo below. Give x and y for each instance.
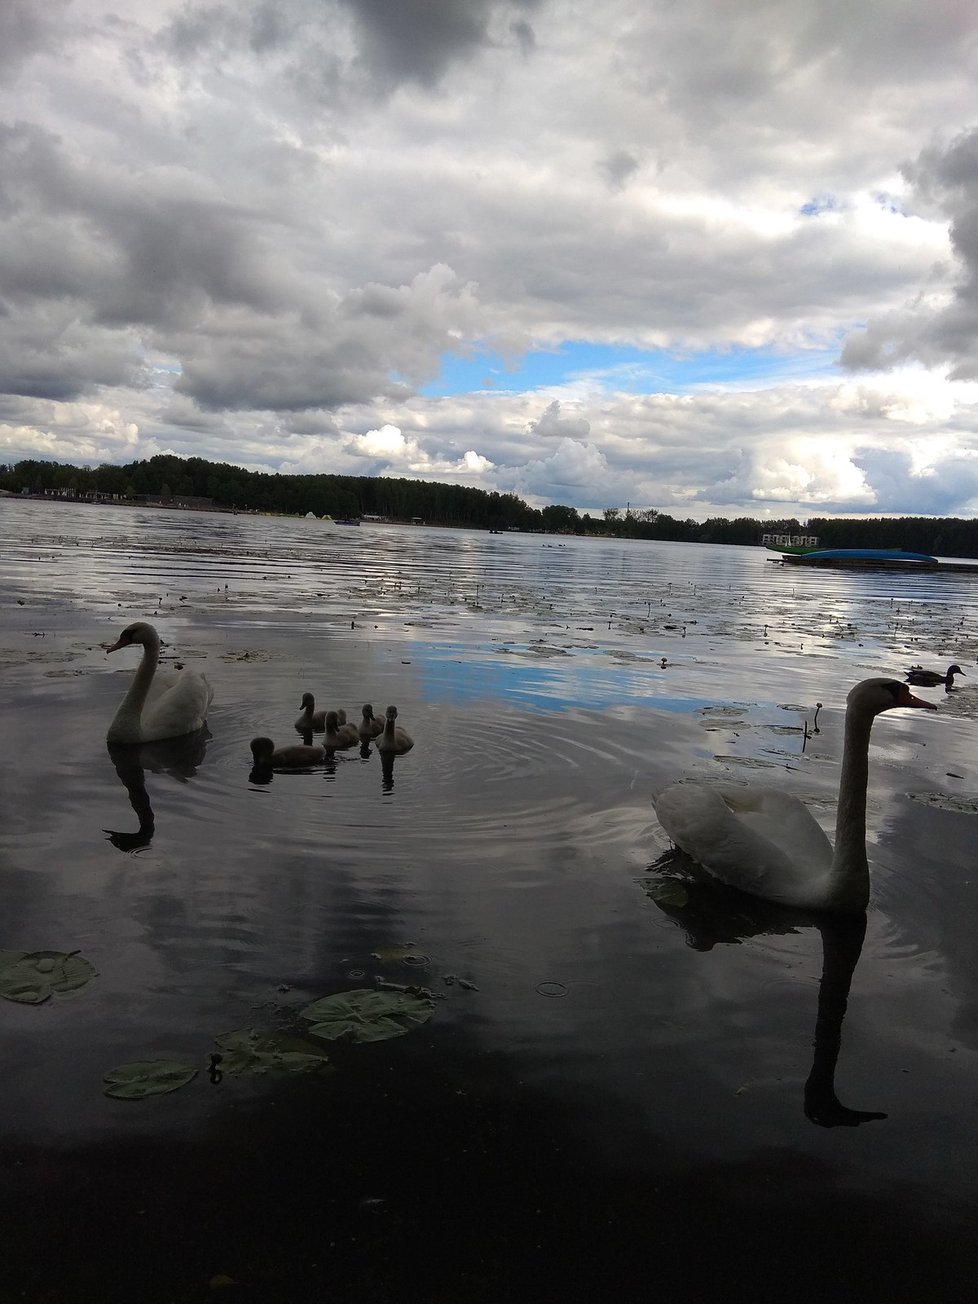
(177, 757)
(386, 764)
(710, 914)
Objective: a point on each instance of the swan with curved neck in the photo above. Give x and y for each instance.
(339, 735)
(157, 706)
(767, 842)
(394, 738)
(369, 726)
(310, 717)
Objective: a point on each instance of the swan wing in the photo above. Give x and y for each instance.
(164, 681)
(180, 707)
(760, 840)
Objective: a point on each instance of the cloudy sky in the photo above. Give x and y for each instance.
(708, 256)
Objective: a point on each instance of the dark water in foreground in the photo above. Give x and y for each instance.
(610, 1096)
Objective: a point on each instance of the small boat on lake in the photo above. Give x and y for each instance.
(796, 549)
(890, 558)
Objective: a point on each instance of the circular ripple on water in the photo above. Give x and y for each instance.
(517, 778)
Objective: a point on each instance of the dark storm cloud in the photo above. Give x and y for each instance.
(393, 41)
(138, 250)
(949, 488)
(290, 372)
(945, 179)
(47, 353)
(417, 40)
(619, 168)
(26, 27)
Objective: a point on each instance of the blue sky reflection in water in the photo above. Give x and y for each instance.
(622, 1070)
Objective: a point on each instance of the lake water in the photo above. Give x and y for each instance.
(617, 1089)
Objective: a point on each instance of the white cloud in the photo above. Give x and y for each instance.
(252, 234)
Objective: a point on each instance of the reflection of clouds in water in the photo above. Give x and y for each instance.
(433, 589)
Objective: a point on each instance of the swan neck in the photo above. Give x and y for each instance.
(850, 867)
(125, 726)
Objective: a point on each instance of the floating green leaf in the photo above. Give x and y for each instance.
(668, 892)
(147, 1078)
(260, 1050)
(365, 1015)
(32, 976)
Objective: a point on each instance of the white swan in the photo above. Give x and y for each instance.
(165, 705)
(369, 726)
(297, 756)
(310, 717)
(767, 842)
(394, 738)
(338, 736)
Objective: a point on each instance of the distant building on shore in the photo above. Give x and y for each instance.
(791, 540)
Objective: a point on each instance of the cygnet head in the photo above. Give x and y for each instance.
(368, 711)
(391, 713)
(332, 720)
(307, 700)
(262, 749)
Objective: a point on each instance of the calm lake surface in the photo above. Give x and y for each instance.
(620, 1088)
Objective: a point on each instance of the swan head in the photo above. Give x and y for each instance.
(140, 631)
(307, 700)
(262, 749)
(873, 696)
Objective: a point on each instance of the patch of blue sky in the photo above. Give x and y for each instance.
(823, 203)
(610, 368)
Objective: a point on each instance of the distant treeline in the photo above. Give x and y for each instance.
(172, 480)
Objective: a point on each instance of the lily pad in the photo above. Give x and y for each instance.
(668, 892)
(259, 1050)
(365, 1015)
(147, 1078)
(30, 977)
